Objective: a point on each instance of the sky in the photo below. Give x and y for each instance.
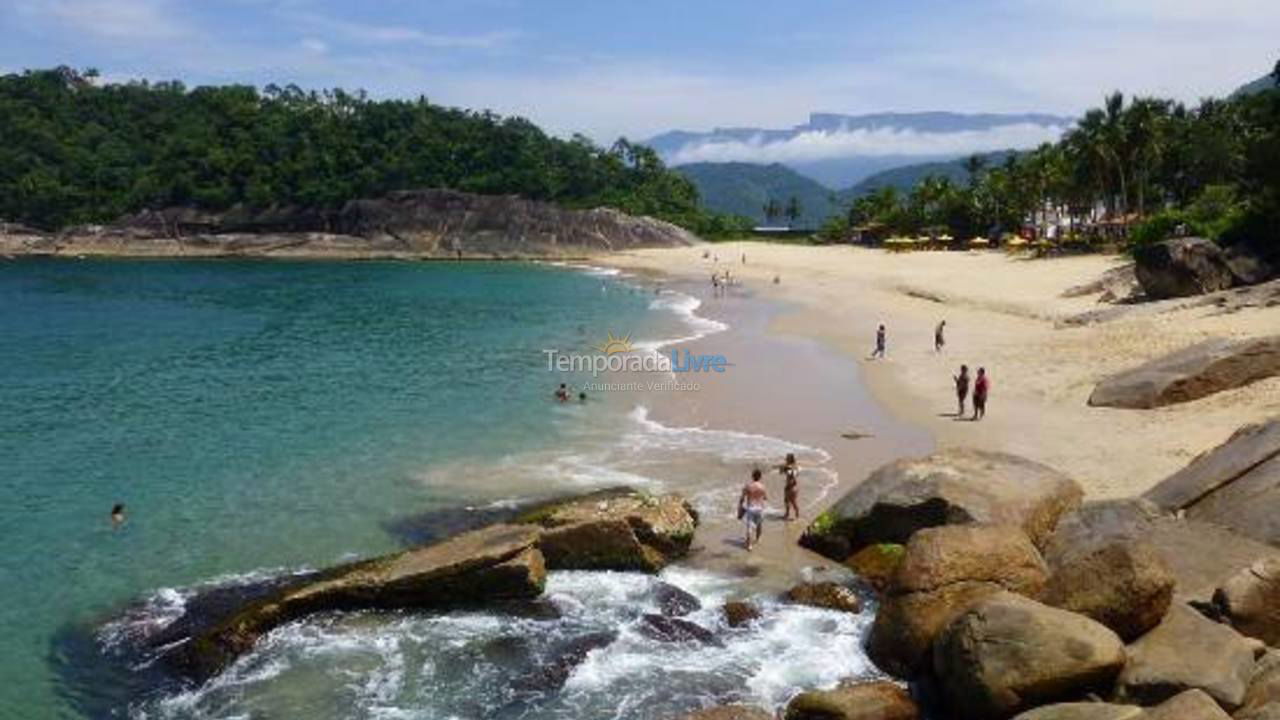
(610, 68)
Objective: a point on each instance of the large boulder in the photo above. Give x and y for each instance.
(826, 595)
(729, 712)
(945, 571)
(876, 700)
(952, 487)
(739, 612)
(614, 530)
(1189, 705)
(1250, 601)
(1010, 653)
(1191, 373)
(876, 564)
(1124, 585)
(1236, 485)
(495, 563)
(1083, 711)
(1262, 699)
(1188, 651)
(1200, 555)
(1182, 267)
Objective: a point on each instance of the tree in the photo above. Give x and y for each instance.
(771, 210)
(974, 165)
(1275, 73)
(793, 211)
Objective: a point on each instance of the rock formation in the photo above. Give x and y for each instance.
(1191, 373)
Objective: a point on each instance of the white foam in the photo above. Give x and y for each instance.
(684, 307)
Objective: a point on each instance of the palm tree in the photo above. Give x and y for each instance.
(771, 210)
(793, 211)
(1145, 122)
(973, 165)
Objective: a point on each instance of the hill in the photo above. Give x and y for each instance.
(908, 176)
(744, 188)
(1262, 84)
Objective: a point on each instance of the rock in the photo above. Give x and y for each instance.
(1250, 601)
(826, 595)
(1191, 373)
(876, 564)
(674, 602)
(951, 487)
(729, 712)
(1083, 711)
(1010, 653)
(1270, 711)
(1201, 556)
(1124, 585)
(1188, 651)
(1182, 267)
(614, 531)
(738, 613)
(551, 672)
(878, 700)
(944, 571)
(1252, 262)
(1264, 686)
(1189, 705)
(1236, 485)
(669, 629)
(1118, 284)
(495, 563)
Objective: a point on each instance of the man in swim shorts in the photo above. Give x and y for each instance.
(751, 506)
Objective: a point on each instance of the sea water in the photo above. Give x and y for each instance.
(259, 419)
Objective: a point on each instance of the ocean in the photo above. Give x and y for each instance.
(261, 419)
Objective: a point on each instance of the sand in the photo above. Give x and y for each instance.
(1001, 313)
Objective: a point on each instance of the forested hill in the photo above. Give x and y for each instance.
(906, 177)
(76, 151)
(746, 188)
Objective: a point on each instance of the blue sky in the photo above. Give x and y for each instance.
(613, 67)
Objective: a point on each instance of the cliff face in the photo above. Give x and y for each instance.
(408, 224)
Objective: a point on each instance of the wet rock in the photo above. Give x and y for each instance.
(1010, 653)
(669, 629)
(1250, 601)
(738, 613)
(621, 531)
(826, 595)
(1189, 374)
(1083, 711)
(944, 572)
(1124, 585)
(1236, 485)
(1188, 651)
(951, 487)
(1182, 267)
(1189, 705)
(878, 700)
(497, 563)
(729, 712)
(674, 602)
(556, 666)
(876, 564)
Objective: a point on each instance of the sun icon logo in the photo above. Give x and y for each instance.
(615, 345)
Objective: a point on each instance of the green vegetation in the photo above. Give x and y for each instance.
(1142, 169)
(747, 189)
(77, 151)
(908, 176)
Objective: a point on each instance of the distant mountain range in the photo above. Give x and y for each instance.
(1262, 84)
(841, 150)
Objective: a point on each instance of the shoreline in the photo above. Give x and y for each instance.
(1002, 313)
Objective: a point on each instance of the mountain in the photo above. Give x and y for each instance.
(1262, 84)
(908, 176)
(841, 150)
(743, 189)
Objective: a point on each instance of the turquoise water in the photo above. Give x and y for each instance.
(254, 415)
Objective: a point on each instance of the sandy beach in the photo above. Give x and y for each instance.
(1002, 313)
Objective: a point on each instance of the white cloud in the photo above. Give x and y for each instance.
(811, 146)
(372, 34)
(118, 19)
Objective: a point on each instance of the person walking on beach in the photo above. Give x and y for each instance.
(791, 491)
(715, 284)
(939, 340)
(980, 388)
(751, 505)
(881, 342)
(962, 388)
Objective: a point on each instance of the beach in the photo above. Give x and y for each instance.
(1003, 313)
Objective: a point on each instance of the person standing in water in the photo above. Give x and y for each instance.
(117, 515)
(562, 393)
(791, 491)
(981, 386)
(881, 342)
(751, 504)
(939, 340)
(962, 388)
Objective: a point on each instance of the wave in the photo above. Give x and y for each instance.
(685, 307)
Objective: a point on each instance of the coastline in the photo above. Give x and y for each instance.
(1002, 314)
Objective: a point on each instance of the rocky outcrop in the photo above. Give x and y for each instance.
(1250, 601)
(1083, 711)
(1182, 267)
(854, 701)
(1189, 705)
(1188, 651)
(1203, 369)
(1116, 285)
(1010, 653)
(409, 224)
(614, 531)
(826, 595)
(495, 563)
(876, 564)
(674, 602)
(1236, 485)
(729, 712)
(1262, 699)
(1124, 585)
(675, 630)
(951, 487)
(944, 572)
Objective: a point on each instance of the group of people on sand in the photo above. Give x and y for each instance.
(754, 499)
(981, 383)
